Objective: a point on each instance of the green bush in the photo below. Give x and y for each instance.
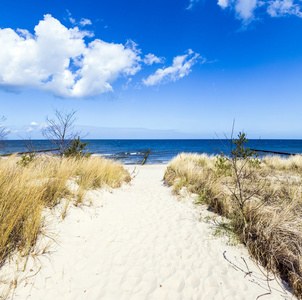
(243, 152)
(77, 149)
(223, 166)
(26, 159)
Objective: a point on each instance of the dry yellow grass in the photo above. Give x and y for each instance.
(270, 221)
(292, 163)
(26, 190)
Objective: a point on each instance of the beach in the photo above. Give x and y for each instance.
(151, 150)
(140, 242)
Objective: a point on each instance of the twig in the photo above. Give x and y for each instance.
(248, 270)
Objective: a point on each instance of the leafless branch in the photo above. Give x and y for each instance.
(3, 132)
(28, 143)
(60, 130)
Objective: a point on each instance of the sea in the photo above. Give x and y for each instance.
(161, 151)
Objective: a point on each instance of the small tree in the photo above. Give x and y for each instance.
(60, 130)
(77, 149)
(240, 165)
(243, 161)
(243, 152)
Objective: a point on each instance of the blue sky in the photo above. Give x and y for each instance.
(148, 69)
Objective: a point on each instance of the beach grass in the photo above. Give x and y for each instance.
(26, 190)
(268, 220)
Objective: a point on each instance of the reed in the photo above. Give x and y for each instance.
(25, 191)
(268, 220)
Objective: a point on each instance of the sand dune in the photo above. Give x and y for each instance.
(141, 242)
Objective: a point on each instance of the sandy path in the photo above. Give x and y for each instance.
(142, 243)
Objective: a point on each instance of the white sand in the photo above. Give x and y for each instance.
(140, 242)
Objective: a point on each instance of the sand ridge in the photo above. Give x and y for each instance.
(141, 242)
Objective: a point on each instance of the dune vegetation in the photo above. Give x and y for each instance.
(29, 186)
(261, 199)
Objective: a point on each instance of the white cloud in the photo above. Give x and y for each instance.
(278, 8)
(34, 124)
(150, 59)
(72, 20)
(30, 129)
(191, 4)
(43, 126)
(181, 67)
(57, 59)
(85, 22)
(25, 33)
(246, 10)
(126, 86)
(223, 3)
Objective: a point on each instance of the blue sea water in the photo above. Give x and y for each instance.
(161, 151)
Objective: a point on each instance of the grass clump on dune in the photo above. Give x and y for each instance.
(262, 199)
(26, 190)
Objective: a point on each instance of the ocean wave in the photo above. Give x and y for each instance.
(131, 153)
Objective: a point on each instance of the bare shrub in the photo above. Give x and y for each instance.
(60, 130)
(264, 205)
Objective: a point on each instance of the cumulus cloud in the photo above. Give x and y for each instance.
(58, 60)
(181, 67)
(34, 124)
(246, 10)
(150, 59)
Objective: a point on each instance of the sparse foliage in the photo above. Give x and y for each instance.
(77, 149)
(31, 155)
(242, 152)
(60, 130)
(26, 159)
(29, 144)
(264, 205)
(222, 165)
(243, 160)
